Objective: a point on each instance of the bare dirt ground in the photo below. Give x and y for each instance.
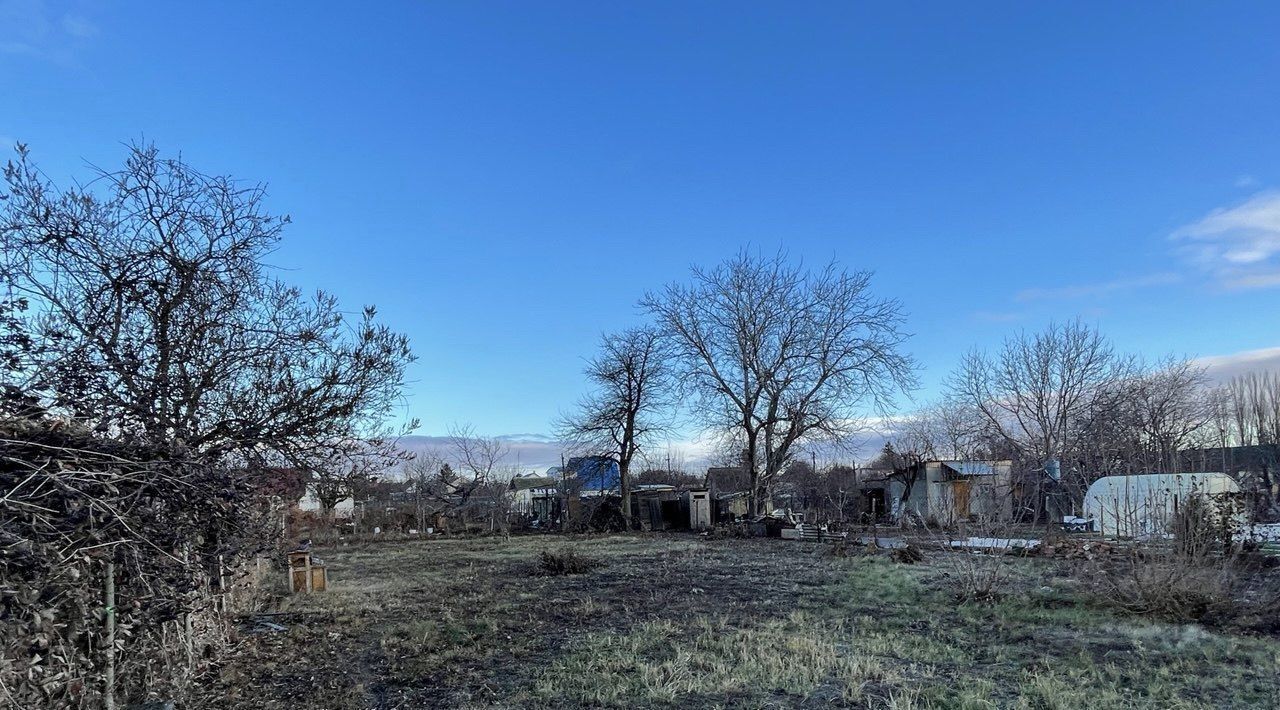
(683, 621)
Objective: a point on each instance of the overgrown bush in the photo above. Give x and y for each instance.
(1157, 579)
(1166, 586)
(1200, 573)
(566, 561)
(141, 304)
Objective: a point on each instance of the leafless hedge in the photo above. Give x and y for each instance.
(116, 566)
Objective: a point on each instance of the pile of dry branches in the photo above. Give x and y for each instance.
(113, 561)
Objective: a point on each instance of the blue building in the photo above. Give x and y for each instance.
(593, 475)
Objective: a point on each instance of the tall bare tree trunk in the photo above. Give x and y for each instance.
(624, 485)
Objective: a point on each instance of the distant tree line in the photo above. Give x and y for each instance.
(1069, 408)
(773, 359)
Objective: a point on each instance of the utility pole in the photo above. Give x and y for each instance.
(1222, 441)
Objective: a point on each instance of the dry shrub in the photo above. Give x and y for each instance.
(1200, 573)
(907, 555)
(977, 573)
(1230, 588)
(978, 576)
(566, 561)
(1166, 585)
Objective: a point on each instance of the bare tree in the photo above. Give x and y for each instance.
(1034, 389)
(1170, 404)
(1218, 400)
(345, 477)
(420, 473)
(158, 318)
(960, 430)
(905, 467)
(1250, 408)
(451, 482)
(1255, 407)
(919, 434)
(1140, 422)
(618, 418)
(828, 493)
(667, 466)
(477, 458)
(779, 356)
(840, 488)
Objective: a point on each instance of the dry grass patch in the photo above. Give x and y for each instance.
(712, 661)
(676, 621)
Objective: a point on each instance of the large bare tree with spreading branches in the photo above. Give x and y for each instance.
(778, 356)
(629, 378)
(1169, 405)
(157, 317)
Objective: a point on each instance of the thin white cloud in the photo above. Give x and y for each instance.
(1239, 247)
(18, 48)
(78, 26)
(1246, 181)
(1223, 367)
(1097, 290)
(37, 29)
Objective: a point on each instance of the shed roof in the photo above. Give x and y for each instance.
(971, 468)
(525, 483)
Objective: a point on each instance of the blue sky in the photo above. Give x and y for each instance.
(504, 180)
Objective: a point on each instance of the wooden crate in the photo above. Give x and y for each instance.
(306, 573)
(319, 578)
